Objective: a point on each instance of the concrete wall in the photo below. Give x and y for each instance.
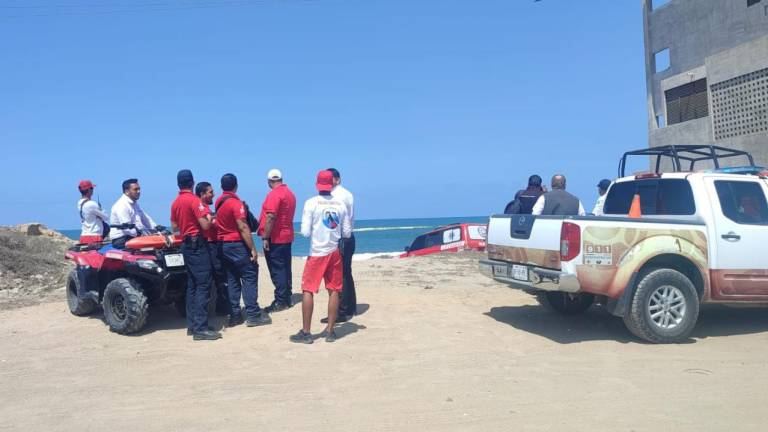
(713, 39)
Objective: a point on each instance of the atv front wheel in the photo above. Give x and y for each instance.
(125, 306)
(565, 303)
(77, 306)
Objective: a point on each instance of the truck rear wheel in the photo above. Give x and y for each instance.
(77, 306)
(565, 303)
(664, 307)
(125, 306)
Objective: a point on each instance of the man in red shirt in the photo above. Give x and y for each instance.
(238, 256)
(276, 232)
(205, 192)
(189, 219)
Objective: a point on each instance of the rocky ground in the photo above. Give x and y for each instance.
(32, 265)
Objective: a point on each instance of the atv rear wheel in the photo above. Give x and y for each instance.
(77, 306)
(565, 303)
(125, 306)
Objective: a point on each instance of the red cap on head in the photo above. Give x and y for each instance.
(84, 185)
(324, 181)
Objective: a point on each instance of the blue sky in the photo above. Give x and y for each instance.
(428, 108)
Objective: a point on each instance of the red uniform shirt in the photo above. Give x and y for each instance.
(210, 233)
(227, 215)
(282, 202)
(185, 211)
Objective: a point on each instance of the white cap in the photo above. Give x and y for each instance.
(274, 174)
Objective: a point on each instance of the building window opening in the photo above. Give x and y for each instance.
(660, 121)
(752, 2)
(655, 4)
(687, 102)
(661, 59)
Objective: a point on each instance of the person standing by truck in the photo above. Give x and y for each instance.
(204, 191)
(526, 198)
(276, 231)
(558, 201)
(602, 190)
(189, 219)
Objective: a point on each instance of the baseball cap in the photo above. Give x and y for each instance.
(324, 181)
(84, 185)
(274, 174)
(604, 183)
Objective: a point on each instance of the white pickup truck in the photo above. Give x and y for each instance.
(699, 240)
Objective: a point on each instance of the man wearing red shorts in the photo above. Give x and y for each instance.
(326, 222)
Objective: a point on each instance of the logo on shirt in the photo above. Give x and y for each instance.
(330, 219)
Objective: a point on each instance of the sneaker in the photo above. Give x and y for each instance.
(276, 307)
(234, 320)
(339, 319)
(206, 335)
(301, 337)
(258, 320)
(331, 336)
(190, 332)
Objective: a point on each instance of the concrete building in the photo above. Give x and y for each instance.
(707, 73)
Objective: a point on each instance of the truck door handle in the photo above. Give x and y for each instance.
(731, 237)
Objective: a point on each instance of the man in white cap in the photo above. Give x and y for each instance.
(276, 232)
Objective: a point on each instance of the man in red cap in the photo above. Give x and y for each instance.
(326, 221)
(92, 219)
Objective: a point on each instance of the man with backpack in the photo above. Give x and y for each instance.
(234, 230)
(526, 198)
(94, 225)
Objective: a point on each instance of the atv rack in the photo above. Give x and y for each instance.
(687, 153)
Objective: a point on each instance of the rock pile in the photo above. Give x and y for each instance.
(32, 264)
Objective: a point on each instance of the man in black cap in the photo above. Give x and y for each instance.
(190, 220)
(602, 190)
(526, 198)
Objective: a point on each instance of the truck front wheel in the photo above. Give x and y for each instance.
(664, 307)
(565, 303)
(125, 306)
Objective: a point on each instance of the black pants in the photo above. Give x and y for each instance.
(279, 264)
(242, 278)
(197, 261)
(219, 279)
(348, 301)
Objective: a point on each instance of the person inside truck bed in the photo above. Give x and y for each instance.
(558, 201)
(526, 198)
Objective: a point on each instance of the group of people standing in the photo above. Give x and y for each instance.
(220, 253)
(537, 200)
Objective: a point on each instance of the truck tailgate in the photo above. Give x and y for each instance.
(525, 239)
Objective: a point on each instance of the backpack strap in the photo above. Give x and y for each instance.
(81, 209)
(221, 203)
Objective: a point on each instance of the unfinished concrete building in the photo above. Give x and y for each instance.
(707, 73)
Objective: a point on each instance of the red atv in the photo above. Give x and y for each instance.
(149, 270)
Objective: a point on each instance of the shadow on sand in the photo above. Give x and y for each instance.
(597, 324)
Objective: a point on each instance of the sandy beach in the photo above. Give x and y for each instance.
(436, 347)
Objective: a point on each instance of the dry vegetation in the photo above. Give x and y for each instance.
(32, 265)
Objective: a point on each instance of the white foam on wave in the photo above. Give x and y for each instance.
(403, 228)
(372, 255)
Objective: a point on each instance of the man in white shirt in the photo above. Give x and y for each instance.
(558, 201)
(326, 222)
(126, 210)
(348, 300)
(602, 190)
(92, 219)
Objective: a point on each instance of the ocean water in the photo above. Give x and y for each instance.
(374, 237)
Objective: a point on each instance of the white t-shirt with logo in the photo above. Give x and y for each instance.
(91, 217)
(326, 221)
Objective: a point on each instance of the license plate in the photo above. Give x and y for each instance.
(519, 272)
(174, 260)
